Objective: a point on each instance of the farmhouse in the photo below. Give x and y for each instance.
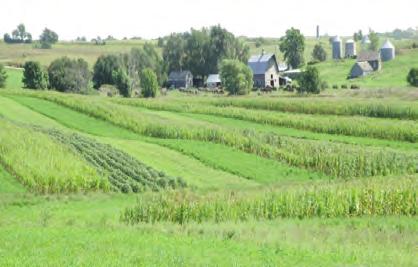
(265, 70)
(213, 81)
(180, 79)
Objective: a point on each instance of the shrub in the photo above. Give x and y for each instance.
(413, 77)
(103, 70)
(344, 86)
(69, 75)
(354, 86)
(3, 76)
(34, 77)
(236, 77)
(318, 53)
(335, 86)
(309, 81)
(149, 83)
(324, 85)
(122, 82)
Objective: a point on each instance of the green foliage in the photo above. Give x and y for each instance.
(69, 75)
(3, 76)
(237, 78)
(309, 81)
(374, 41)
(122, 82)
(104, 68)
(319, 53)
(42, 165)
(125, 173)
(18, 36)
(292, 46)
(340, 200)
(48, 38)
(412, 77)
(149, 83)
(201, 51)
(34, 77)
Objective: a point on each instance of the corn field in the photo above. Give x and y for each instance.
(335, 159)
(379, 198)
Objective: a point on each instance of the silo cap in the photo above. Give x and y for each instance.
(388, 45)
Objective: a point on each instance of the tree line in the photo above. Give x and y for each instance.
(20, 36)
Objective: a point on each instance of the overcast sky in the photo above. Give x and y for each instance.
(154, 18)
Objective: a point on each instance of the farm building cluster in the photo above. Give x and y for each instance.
(367, 61)
(267, 73)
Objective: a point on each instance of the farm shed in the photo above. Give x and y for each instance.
(373, 58)
(265, 70)
(213, 81)
(360, 69)
(180, 79)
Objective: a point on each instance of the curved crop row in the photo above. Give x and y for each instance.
(125, 173)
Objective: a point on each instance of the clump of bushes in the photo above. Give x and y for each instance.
(149, 83)
(335, 86)
(34, 77)
(344, 86)
(69, 75)
(412, 77)
(354, 86)
(237, 77)
(309, 81)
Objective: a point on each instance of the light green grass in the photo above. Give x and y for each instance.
(14, 78)
(8, 183)
(242, 164)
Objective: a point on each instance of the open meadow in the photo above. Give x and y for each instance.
(197, 180)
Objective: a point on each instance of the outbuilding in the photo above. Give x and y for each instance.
(213, 81)
(372, 57)
(360, 69)
(180, 79)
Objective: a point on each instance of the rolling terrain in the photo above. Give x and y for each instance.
(197, 180)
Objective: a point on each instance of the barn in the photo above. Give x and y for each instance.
(265, 70)
(180, 79)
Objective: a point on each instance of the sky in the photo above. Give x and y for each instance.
(154, 18)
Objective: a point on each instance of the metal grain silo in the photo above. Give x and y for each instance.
(337, 48)
(387, 52)
(365, 42)
(350, 48)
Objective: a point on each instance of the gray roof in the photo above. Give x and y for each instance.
(368, 56)
(179, 75)
(259, 64)
(388, 45)
(213, 78)
(365, 66)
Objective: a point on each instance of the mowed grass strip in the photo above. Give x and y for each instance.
(240, 163)
(45, 166)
